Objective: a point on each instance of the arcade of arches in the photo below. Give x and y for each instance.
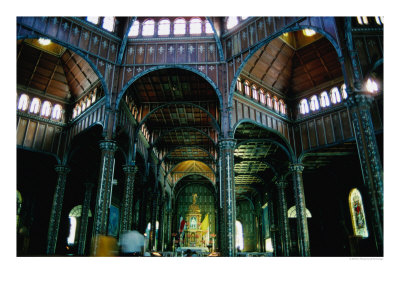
(262, 135)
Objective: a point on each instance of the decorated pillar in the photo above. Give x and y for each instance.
(274, 227)
(55, 215)
(104, 190)
(127, 201)
(302, 226)
(227, 184)
(84, 218)
(371, 166)
(283, 216)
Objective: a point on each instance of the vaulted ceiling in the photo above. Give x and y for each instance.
(294, 64)
(53, 71)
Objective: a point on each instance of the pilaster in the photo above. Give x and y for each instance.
(84, 218)
(127, 201)
(281, 184)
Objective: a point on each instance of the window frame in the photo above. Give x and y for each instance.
(132, 30)
(230, 23)
(335, 95)
(324, 99)
(304, 106)
(31, 107)
(110, 20)
(25, 105)
(314, 103)
(183, 25)
(46, 105)
(191, 22)
(161, 25)
(149, 23)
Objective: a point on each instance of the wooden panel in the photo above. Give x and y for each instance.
(304, 136)
(104, 46)
(337, 129)
(171, 53)
(347, 129)
(64, 30)
(39, 136)
(252, 113)
(30, 134)
(312, 134)
(328, 129)
(48, 139)
(21, 131)
(84, 40)
(94, 43)
(56, 140)
(201, 52)
(161, 53)
(150, 53)
(320, 131)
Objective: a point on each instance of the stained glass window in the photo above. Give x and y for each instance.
(209, 28)
(357, 214)
(195, 26)
(269, 100)
(262, 97)
(23, 102)
(35, 105)
(231, 22)
(325, 99)
(179, 26)
(343, 90)
(276, 104)
(314, 104)
(282, 107)
(304, 106)
(164, 27)
(108, 23)
(56, 112)
(134, 31)
(148, 28)
(239, 85)
(247, 88)
(254, 92)
(94, 20)
(46, 109)
(335, 95)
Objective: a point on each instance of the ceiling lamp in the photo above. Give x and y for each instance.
(44, 42)
(308, 32)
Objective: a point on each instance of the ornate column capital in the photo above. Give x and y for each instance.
(296, 168)
(359, 99)
(227, 144)
(281, 183)
(109, 145)
(62, 169)
(130, 169)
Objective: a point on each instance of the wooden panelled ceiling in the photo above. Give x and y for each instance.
(294, 64)
(178, 123)
(53, 70)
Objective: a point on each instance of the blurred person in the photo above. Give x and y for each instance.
(132, 243)
(103, 245)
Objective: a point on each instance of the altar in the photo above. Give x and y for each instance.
(193, 232)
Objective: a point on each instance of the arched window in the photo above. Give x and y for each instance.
(94, 20)
(335, 95)
(35, 105)
(254, 92)
(239, 236)
(179, 26)
(46, 109)
(109, 23)
(78, 110)
(239, 85)
(148, 28)
(83, 105)
(262, 96)
(88, 100)
(269, 100)
(282, 107)
(134, 30)
(243, 18)
(357, 214)
(195, 26)
(379, 20)
(293, 214)
(314, 103)
(247, 88)
(276, 104)
(164, 27)
(362, 20)
(209, 29)
(371, 85)
(304, 107)
(343, 91)
(74, 214)
(23, 102)
(324, 99)
(56, 112)
(94, 96)
(231, 22)
(74, 112)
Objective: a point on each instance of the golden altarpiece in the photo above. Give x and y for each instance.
(193, 233)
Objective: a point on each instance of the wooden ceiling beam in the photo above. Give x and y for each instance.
(34, 70)
(305, 69)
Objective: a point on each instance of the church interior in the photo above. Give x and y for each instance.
(229, 136)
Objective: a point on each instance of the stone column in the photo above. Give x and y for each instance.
(55, 215)
(283, 217)
(154, 210)
(84, 218)
(127, 201)
(302, 226)
(274, 228)
(104, 189)
(168, 232)
(227, 180)
(371, 166)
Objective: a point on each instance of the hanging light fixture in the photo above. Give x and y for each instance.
(44, 42)
(308, 32)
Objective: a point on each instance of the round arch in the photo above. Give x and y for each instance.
(296, 27)
(81, 54)
(177, 66)
(286, 148)
(171, 170)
